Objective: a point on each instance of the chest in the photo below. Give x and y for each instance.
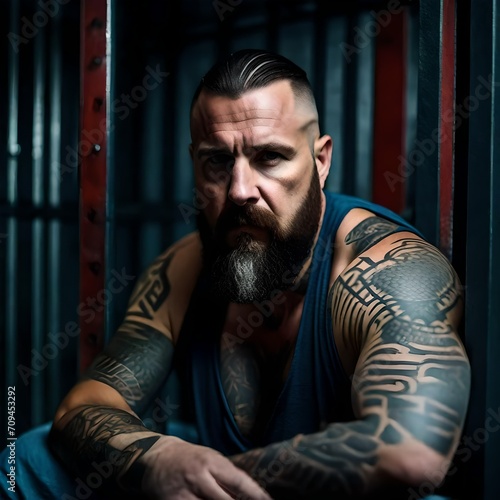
(256, 352)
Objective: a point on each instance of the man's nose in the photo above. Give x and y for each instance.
(243, 184)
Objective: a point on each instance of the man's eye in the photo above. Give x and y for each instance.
(270, 157)
(221, 160)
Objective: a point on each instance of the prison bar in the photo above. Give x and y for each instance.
(93, 177)
(389, 130)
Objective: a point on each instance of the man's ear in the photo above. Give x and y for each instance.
(323, 148)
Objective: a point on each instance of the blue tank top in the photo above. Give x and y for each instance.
(316, 391)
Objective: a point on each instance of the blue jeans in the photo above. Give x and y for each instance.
(39, 475)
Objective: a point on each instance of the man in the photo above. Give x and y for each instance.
(314, 334)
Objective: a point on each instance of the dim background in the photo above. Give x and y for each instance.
(379, 71)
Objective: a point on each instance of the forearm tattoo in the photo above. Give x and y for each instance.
(92, 442)
(135, 363)
(411, 382)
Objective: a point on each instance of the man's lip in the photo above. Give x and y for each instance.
(259, 233)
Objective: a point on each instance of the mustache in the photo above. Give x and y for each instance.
(246, 215)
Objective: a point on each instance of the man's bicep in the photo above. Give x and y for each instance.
(399, 306)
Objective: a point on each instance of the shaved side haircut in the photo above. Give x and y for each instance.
(251, 69)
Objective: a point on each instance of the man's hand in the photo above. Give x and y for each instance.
(178, 470)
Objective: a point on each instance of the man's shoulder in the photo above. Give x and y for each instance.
(186, 247)
(167, 283)
(363, 225)
(178, 265)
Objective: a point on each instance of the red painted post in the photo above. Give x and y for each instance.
(93, 169)
(446, 136)
(389, 127)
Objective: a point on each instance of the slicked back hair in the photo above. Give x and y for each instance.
(250, 69)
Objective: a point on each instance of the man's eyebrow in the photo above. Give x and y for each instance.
(276, 146)
(269, 146)
(206, 151)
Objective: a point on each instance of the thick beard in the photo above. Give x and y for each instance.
(251, 271)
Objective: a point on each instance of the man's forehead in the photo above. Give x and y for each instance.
(272, 106)
(274, 100)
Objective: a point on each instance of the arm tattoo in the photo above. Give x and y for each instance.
(137, 359)
(369, 232)
(94, 436)
(152, 289)
(411, 382)
(136, 362)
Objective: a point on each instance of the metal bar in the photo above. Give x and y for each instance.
(13, 150)
(492, 459)
(93, 175)
(411, 105)
(349, 125)
(363, 103)
(389, 124)
(446, 137)
(38, 226)
(478, 332)
(110, 326)
(423, 160)
(54, 201)
(320, 67)
(334, 93)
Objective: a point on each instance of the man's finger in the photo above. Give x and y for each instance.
(210, 488)
(240, 484)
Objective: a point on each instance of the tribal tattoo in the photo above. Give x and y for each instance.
(92, 443)
(152, 289)
(138, 358)
(135, 363)
(241, 382)
(369, 232)
(411, 383)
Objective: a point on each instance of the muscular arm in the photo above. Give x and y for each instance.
(97, 423)
(398, 306)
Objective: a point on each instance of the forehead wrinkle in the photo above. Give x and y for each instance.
(241, 124)
(248, 114)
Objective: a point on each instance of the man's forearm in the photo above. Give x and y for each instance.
(339, 460)
(103, 441)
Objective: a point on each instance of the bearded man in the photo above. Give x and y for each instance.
(314, 334)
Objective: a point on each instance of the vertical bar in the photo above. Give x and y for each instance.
(110, 326)
(411, 101)
(54, 199)
(446, 137)
(364, 94)
(350, 115)
(389, 124)
(423, 160)
(319, 53)
(93, 176)
(38, 225)
(11, 241)
(480, 335)
(492, 459)
(333, 116)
